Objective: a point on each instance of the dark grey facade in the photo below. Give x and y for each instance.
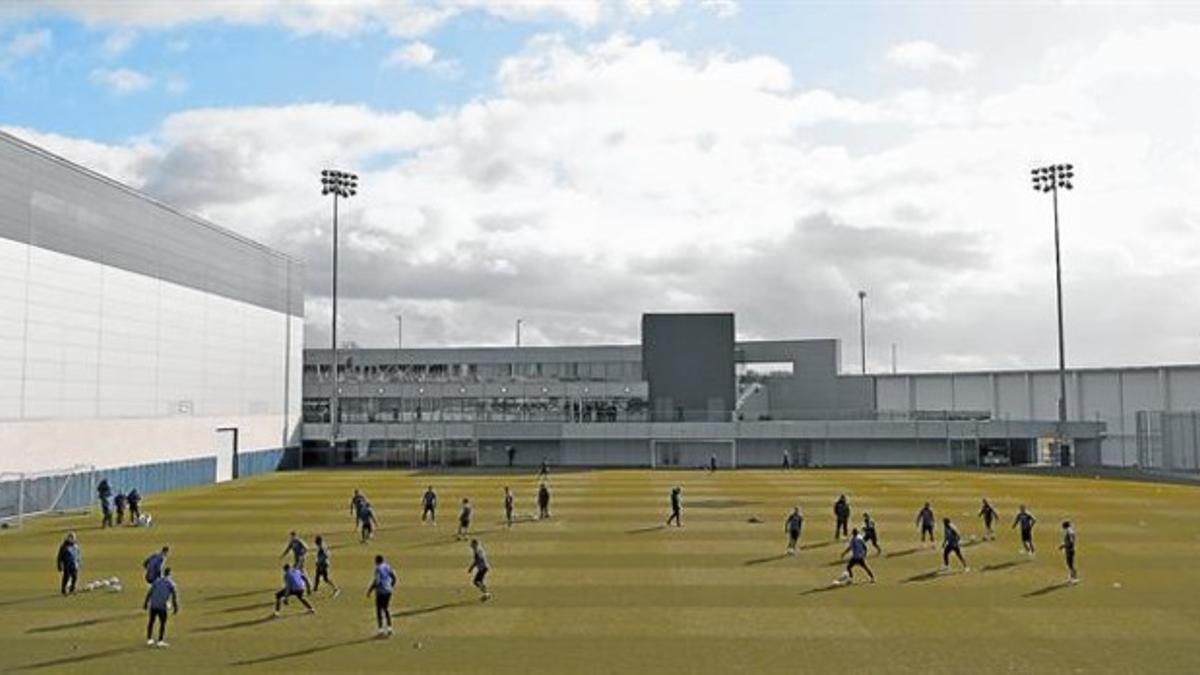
(688, 364)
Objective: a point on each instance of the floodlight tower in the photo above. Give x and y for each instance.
(862, 329)
(1049, 179)
(345, 185)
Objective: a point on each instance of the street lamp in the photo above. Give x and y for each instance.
(399, 331)
(1050, 179)
(862, 329)
(519, 322)
(345, 185)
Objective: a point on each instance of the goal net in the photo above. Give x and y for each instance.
(56, 491)
(692, 453)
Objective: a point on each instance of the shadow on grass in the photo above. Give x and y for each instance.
(419, 611)
(77, 658)
(996, 567)
(924, 576)
(35, 598)
(1046, 590)
(79, 624)
(761, 561)
(643, 530)
(303, 652)
(720, 503)
(239, 624)
(438, 542)
(907, 551)
(824, 544)
(241, 594)
(825, 589)
(245, 608)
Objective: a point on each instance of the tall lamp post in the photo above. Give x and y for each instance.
(1050, 179)
(399, 331)
(519, 322)
(862, 329)
(345, 185)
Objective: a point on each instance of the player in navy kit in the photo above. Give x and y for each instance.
(429, 505)
(951, 544)
(925, 520)
(1026, 520)
(509, 503)
(479, 565)
(676, 506)
(793, 525)
(857, 548)
(1068, 548)
(869, 533)
(841, 512)
(989, 516)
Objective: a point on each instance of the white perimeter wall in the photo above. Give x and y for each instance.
(103, 366)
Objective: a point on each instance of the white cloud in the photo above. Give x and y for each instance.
(404, 18)
(602, 180)
(724, 9)
(24, 45)
(411, 55)
(925, 55)
(177, 85)
(121, 81)
(118, 42)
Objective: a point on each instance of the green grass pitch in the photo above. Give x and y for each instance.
(603, 588)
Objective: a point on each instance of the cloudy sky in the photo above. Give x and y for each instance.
(579, 163)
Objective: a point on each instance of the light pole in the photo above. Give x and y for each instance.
(345, 185)
(862, 328)
(1050, 179)
(519, 322)
(399, 332)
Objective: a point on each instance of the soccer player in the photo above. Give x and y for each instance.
(857, 548)
(153, 564)
(103, 491)
(135, 506)
(543, 501)
(545, 470)
(323, 558)
(162, 592)
(787, 460)
(382, 584)
(508, 506)
(429, 505)
(464, 519)
(298, 548)
(479, 565)
(841, 511)
(119, 501)
(367, 521)
(925, 520)
(106, 509)
(795, 521)
(712, 463)
(1026, 520)
(70, 558)
(294, 585)
(869, 533)
(989, 515)
(950, 544)
(1068, 549)
(676, 506)
(356, 503)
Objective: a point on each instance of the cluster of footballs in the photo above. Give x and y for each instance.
(111, 584)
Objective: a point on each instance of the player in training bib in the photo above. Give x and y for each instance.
(479, 565)
(857, 548)
(161, 594)
(925, 521)
(841, 512)
(1026, 520)
(367, 521)
(989, 516)
(869, 533)
(294, 586)
(795, 521)
(951, 544)
(429, 505)
(298, 548)
(1068, 549)
(676, 506)
(464, 519)
(323, 561)
(382, 584)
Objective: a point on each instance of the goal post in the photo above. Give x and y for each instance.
(692, 453)
(38, 492)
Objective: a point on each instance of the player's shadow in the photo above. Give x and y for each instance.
(438, 542)
(644, 530)
(1046, 590)
(35, 598)
(240, 594)
(904, 552)
(924, 576)
(763, 561)
(76, 658)
(245, 608)
(302, 652)
(825, 589)
(996, 567)
(720, 503)
(824, 544)
(237, 624)
(79, 624)
(419, 611)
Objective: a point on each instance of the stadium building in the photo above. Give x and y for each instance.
(131, 332)
(690, 391)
